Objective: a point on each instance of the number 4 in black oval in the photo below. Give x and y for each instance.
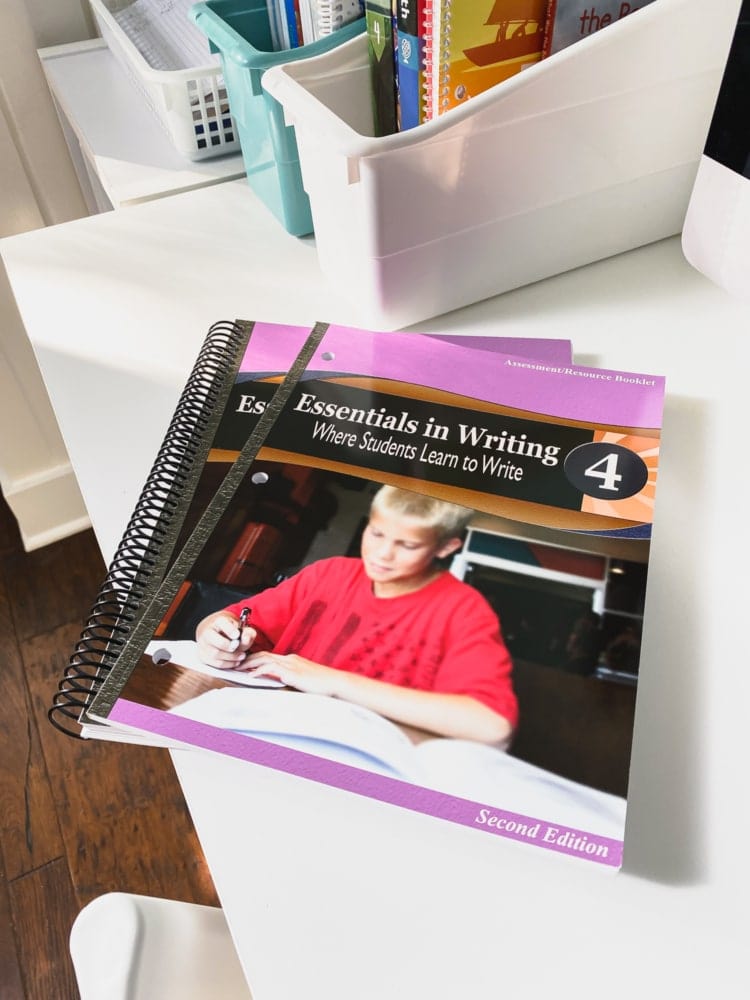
(605, 471)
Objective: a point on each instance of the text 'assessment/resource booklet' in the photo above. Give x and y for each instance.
(425, 570)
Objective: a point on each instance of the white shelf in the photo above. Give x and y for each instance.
(121, 151)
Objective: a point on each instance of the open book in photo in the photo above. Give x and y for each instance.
(352, 735)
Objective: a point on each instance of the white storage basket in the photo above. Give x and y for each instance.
(586, 154)
(191, 104)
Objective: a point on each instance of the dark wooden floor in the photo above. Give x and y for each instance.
(77, 818)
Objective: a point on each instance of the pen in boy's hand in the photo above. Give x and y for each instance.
(244, 617)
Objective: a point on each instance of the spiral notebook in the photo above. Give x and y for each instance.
(163, 513)
(182, 481)
(470, 46)
(550, 469)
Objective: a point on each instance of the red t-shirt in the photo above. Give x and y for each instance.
(443, 637)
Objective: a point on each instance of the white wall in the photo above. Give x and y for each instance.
(38, 187)
(57, 21)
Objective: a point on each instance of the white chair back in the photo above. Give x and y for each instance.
(130, 947)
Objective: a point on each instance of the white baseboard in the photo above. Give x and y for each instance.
(48, 506)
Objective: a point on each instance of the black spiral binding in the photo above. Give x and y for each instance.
(141, 556)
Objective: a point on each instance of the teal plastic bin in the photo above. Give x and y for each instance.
(240, 31)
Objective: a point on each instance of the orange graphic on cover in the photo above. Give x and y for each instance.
(639, 507)
(481, 45)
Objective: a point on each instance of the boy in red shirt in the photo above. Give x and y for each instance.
(391, 631)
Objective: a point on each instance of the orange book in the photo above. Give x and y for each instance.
(476, 44)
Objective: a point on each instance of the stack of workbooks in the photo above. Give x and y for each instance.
(404, 565)
(429, 56)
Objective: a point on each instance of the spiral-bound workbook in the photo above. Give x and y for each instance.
(182, 481)
(471, 46)
(416, 581)
(163, 511)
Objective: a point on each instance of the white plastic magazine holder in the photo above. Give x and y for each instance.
(588, 153)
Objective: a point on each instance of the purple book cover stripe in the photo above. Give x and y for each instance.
(274, 346)
(513, 826)
(538, 385)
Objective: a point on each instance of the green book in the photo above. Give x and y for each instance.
(382, 64)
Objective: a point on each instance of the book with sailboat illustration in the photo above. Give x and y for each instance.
(474, 46)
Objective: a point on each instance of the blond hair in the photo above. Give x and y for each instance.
(449, 520)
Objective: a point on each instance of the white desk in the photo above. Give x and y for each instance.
(333, 896)
(122, 154)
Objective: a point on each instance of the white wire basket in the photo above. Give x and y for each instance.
(191, 104)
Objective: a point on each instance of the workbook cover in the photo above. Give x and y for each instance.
(382, 60)
(473, 46)
(409, 51)
(431, 584)
(569, 21)
(182, 482)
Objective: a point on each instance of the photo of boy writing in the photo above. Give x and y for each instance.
(391, 630)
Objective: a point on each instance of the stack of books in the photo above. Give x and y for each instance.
(429, 56)
(377, 561)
